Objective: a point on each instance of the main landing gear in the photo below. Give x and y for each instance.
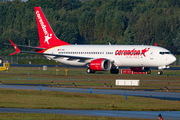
(114, 70)
(90, 71)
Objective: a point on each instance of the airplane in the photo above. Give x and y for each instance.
(139, 58)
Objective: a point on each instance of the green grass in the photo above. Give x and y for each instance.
(63, 100)
(73, 71)
(81, 101)
(19, 75)
(31, 116)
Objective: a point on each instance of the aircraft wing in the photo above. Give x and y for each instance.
(57, 55)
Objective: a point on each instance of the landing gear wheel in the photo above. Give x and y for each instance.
(117, 71)
(89, 71)
(160, 72)
(114, 71)
(1, 61)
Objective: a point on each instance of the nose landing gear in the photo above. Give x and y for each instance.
(160, 72)
(1, 60)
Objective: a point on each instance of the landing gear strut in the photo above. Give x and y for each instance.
(90, 71)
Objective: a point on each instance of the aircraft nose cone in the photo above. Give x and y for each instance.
(173, 59)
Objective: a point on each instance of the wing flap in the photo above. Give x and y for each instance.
(57, 55)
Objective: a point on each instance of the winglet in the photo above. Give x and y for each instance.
(15, 47)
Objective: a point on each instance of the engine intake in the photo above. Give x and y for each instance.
(140, 69)
(101, 64)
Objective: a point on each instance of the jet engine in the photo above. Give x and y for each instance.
(140, 69)
(101, 64)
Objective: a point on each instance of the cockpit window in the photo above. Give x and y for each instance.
(162, 53)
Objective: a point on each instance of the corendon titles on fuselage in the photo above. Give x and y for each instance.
(132, 53)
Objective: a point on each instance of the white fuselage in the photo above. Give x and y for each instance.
(120, 55)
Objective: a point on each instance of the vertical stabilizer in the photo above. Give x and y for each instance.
(46, 35)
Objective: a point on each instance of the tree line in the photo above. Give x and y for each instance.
(129, 22)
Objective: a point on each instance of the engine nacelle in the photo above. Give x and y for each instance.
(101, 64)
(140, 69)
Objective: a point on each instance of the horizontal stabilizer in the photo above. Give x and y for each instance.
(31, 47)
(15, 47)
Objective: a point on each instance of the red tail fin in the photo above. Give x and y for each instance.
(46, 35)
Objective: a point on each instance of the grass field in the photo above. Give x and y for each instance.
(63, 100)
(27, 116)
(10, 98)
(78, 76)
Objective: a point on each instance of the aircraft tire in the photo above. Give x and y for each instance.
(114, 71)
(117, 71)
(160, 72)
(90, 71)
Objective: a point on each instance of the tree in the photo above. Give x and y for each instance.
(176, 42)
(128, 38)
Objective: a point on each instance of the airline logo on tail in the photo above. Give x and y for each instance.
(47, 36)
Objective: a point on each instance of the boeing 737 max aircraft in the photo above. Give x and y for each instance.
(97, 57)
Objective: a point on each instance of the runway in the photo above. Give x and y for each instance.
(175, 115)
(132, 114)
